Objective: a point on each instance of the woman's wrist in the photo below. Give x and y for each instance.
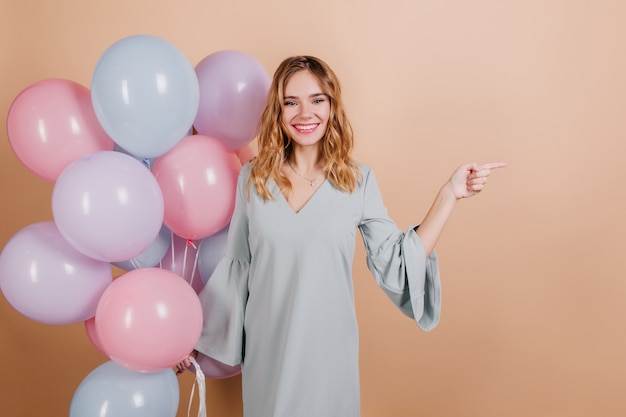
(447, 193)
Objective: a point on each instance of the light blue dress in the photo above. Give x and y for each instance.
(281, 302)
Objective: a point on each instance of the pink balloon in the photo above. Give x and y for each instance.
(214, 369)
(90, 329)
(182, 258)
(246, 154)
(148, 319)
(233, 93)
(47, 280)
(108, 206)
(51, 123)
(198, 179)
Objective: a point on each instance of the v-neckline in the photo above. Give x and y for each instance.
(306, 203)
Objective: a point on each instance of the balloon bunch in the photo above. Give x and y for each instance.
(144, 165)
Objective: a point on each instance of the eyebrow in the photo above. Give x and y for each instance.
(311, 96)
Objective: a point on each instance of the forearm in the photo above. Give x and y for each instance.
(436, 218)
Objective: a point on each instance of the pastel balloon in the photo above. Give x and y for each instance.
(152, 255)
(182, 258)
(148, 319)
(51, 123)
(90, 330)
(148, 162)
(215, 369)
(47, 280)
(145, 94)
(233, 92)
(211, 250)
(198, 179)
(108, 206)
(246, 154)
(111, 390)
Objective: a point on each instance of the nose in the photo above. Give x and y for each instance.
(306, 110)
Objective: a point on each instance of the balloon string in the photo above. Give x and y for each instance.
(134, 263)
(195, 263)
(172, 248)
(146, 162)
(201, 390)
(182, 272)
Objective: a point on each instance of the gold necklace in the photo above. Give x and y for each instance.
(311, 181)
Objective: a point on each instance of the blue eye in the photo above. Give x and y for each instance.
(290, 103)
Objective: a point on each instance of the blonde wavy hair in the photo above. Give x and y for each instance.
(275, 145)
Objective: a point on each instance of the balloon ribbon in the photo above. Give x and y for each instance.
(201, 390)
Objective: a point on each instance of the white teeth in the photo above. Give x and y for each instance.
(305, 127)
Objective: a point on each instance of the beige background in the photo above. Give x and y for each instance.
(533, 269)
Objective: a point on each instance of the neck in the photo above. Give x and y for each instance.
(307, 161)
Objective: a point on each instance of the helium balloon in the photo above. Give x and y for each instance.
(233, 92)
(211, 250)
(108, 206)
(148, 162)
(198, 179)
(149, 319)
(246, 154)
(51, 123)
(111, 390)
(152, 255)
(145, 94)
(215, 369)
(90, 329)
(47, 280)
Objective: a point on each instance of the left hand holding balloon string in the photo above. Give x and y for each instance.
(186, 362)
(470, 179)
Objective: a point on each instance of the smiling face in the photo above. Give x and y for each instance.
(306, 109)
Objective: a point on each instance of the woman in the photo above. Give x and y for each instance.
(280, 302)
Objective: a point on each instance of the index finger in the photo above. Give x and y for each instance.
(492, 165)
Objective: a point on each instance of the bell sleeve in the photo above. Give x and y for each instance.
(398, 260)
(225, 294)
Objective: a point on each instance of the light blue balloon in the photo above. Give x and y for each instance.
(148, 162)
(152, 255)
(145, 94)
(111, 390)
(210, 251)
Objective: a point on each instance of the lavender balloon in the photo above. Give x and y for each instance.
(210, 252)
(215, 369)
(233, 93)
(108, 206)
(47, 280)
